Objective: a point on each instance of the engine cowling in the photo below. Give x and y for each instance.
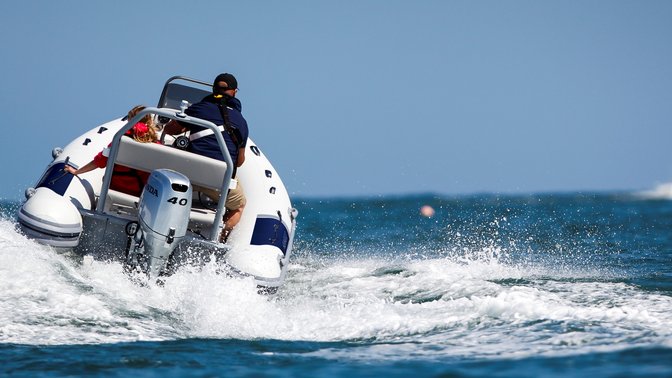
(163, 215)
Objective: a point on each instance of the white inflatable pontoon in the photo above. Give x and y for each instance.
(170, 224)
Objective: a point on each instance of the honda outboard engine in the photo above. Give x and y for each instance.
(163, 216)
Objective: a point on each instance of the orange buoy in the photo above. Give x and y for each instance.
(427, 211)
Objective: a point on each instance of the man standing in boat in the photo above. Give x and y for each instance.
(221, 108)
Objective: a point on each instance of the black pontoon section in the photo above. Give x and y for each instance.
(269, 230)
(56, 179)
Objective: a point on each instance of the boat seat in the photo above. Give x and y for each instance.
(121, 204)
(200, 220)
(125, 205)
(202, 171)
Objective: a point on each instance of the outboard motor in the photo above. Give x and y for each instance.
(50, 218)
(163, 215)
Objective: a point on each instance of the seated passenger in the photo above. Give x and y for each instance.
(124, 179)
(223, 109)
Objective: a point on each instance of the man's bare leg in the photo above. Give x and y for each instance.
(231, 219)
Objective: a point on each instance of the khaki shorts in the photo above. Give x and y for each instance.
(234, 201)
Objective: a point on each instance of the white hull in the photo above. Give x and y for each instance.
(259, 246)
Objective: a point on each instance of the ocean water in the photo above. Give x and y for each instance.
(550, 285)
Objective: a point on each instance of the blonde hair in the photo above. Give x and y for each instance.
(151, 135)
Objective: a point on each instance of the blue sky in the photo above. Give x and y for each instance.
(365, 97)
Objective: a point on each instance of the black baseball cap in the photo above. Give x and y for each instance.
(230, 81)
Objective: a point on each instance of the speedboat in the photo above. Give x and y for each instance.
(171, 224)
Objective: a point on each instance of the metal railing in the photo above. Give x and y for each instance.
(177, 115)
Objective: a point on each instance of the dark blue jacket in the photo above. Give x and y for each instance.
(208, 110)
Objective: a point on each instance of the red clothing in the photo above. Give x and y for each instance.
(124, 179)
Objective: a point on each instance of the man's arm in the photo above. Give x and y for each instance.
(173, 127)
(241, 157)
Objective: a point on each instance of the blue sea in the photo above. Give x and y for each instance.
(547, 285)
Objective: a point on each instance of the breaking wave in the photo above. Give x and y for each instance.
(471, 303)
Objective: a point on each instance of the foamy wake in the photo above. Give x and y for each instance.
(460, 306)
(661, 191)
